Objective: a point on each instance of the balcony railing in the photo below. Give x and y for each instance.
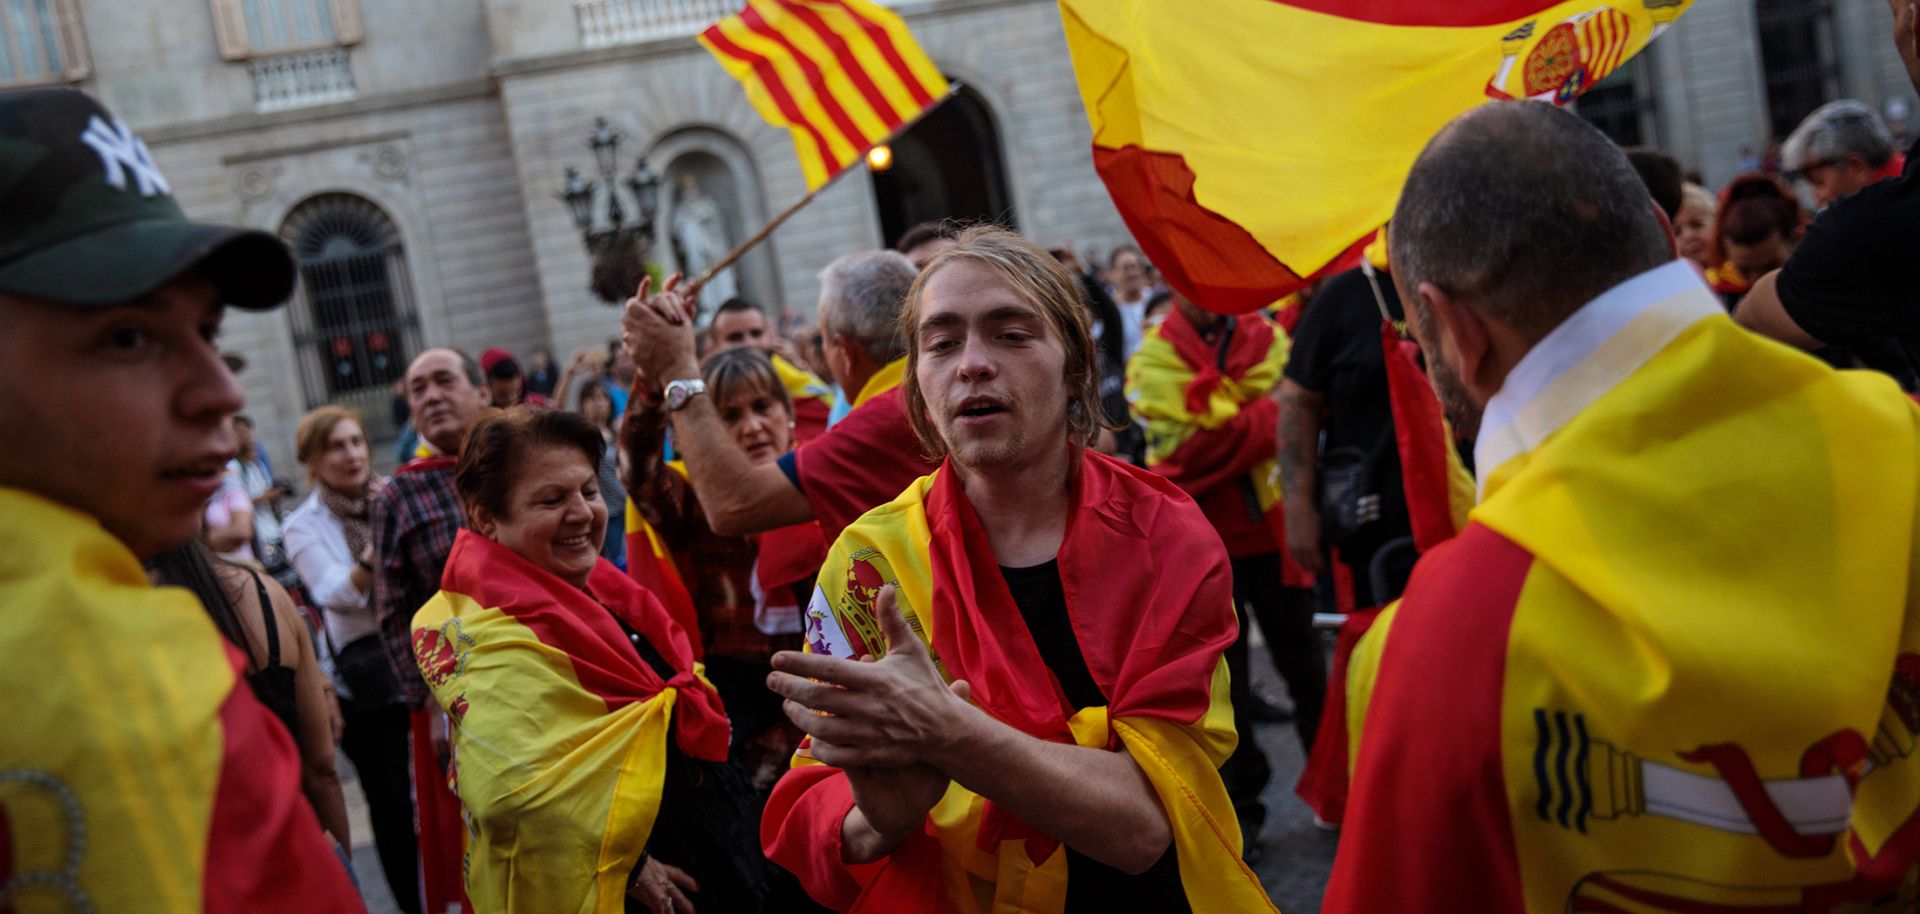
(302, 80)
(610, 22)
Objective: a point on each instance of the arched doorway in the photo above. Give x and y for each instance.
(948, 166)
(354, 328)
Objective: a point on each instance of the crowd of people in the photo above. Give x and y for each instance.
(947, 601)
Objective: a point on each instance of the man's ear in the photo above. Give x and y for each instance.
(1462, 334)
(1666, 225)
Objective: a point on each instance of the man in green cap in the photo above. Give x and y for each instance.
(137, 770)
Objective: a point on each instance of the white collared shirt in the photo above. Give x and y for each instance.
(1587, 355)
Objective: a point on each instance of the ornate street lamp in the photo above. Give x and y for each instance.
(619, 248)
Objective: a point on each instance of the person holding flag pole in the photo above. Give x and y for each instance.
(844, 76)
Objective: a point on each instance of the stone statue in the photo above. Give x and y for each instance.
(700, 238)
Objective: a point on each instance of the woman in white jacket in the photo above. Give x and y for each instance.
(327, 540)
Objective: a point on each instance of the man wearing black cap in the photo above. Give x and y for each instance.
(137, 771)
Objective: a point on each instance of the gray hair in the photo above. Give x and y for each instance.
(867, 289)
(1834, 131)
(1527, 211)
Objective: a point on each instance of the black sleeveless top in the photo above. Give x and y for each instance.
(273, 684)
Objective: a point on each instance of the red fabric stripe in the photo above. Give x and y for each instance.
(816, 79)
(422, 464)
(442, 869)
(265, 849)
(763, 70)
(1421, 438)
(1437, 787)
(884, 42)
(1425, 12)
(849, 64)
(810, 415)
(656, 574)
(1323, 784)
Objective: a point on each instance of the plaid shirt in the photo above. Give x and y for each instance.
(414, 520)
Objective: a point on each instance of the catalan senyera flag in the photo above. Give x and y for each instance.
(559, 728)
(841, 75)
(1252, 145)
(137, 771)
(1150, 597)
(1676, 650)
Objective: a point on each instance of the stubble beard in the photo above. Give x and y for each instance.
(1461, 411)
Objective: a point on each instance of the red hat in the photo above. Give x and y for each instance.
(493, 357)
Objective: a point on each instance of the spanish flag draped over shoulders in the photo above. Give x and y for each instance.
(559, 726)
(1149, 594)
(137, 771)
(1673, 664)
(1211, 422)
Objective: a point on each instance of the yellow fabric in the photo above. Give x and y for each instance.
(1679, 599)
(800, 383)
(1663, 638)
(551, 783)
(1363, 670)
(887, 378)
(1181, 762)
(848, 22)
(1345, 104)
(1156, 390)
(111, 740)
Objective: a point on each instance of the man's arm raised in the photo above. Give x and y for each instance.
(897, 712)
(739, 497)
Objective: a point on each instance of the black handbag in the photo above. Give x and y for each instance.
(1349, 489)
(364, 669)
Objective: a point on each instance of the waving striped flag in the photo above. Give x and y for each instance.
(842, 75)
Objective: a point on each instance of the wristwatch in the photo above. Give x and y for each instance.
(683, 390)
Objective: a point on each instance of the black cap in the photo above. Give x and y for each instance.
(86, 218)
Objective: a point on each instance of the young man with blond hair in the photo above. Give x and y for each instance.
(1044, 730)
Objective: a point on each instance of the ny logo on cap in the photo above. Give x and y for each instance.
(120, 151)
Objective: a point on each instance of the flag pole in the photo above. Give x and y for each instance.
(693, 289)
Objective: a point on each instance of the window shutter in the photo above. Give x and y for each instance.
(75, 64)
(347, 28)
(230, 30)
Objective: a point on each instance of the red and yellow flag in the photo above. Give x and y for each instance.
(653, 567)
(1150, 598)
(559, 727)
(137, 770)
(1252, 145)
(842, 75)
(1676, 650)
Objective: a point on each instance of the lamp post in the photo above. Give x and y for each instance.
(618, 248)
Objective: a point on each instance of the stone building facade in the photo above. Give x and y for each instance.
(412, 151)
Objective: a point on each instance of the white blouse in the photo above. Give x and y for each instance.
(316, 544)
